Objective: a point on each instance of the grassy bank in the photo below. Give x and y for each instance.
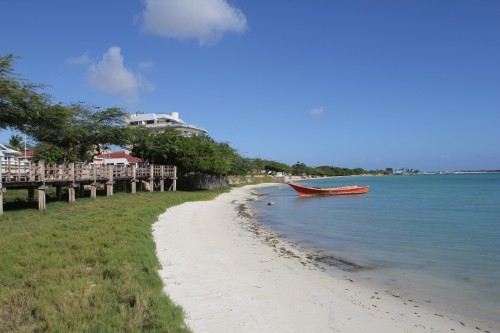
(235, 181)
(87, 266)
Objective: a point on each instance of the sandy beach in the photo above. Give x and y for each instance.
(231, 275)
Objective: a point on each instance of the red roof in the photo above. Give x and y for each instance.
(29, 153)
(130, 159)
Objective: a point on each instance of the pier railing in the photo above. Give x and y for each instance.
(21, 173)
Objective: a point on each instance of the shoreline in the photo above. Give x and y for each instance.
(229, 273)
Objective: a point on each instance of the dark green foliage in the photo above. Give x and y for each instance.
(202, 154)
(195, 154)
(273, 166)
(300, 169)
(53, 153)
(21, 103)
(241, 166)
(80, 132)
(156, 147)
(17, 142)
(245, 166)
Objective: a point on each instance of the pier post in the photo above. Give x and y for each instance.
(162, 178)
(134, 180)
(71, 188)
(151, 178)
(93, 186)
(9, 175)
(71, 193)
(42, 203)
(18, 176)
(174, 179)
(41, 199)
(41, 171)
(59, 171)
(109, 183)
(31, 172)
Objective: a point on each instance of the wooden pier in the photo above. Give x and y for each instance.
(20, 174)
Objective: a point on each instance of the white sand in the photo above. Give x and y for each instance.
(220, 268)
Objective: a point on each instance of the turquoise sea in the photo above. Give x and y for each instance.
(435, 238)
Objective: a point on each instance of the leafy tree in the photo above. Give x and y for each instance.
(17, 142)
(52, 153)
(197, 154)
(274, 166)
(81, 131)
(241, 166)
(358, 171)
(156, 147)
(21, 103)
(300, 169)
(324, 171)
(204, 155)
(258, 164)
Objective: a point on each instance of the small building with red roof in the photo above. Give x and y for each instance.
(117, 158)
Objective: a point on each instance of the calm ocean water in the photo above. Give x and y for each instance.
(432, 237)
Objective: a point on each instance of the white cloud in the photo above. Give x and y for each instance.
(80, 60)
(110, 75)
(205, 20)
(316, 112)
(146, 65)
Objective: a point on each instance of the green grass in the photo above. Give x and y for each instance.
(88, 266)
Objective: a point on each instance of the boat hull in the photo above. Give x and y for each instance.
(344, 190)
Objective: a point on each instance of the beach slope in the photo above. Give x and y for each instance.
(231, 275)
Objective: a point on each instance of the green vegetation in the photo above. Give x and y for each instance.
(87, 266)
(196, 154)
(238, 181)
(80, 132)
(330, 171)
(21, 103)
(17, 142)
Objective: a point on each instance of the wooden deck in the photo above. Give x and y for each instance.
(19, 174)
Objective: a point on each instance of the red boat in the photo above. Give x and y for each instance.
(307, 191)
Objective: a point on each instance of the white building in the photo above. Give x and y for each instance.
(11, 159)
(6, 152)
(162, 121)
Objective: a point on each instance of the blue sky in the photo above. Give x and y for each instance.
(360, 83)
